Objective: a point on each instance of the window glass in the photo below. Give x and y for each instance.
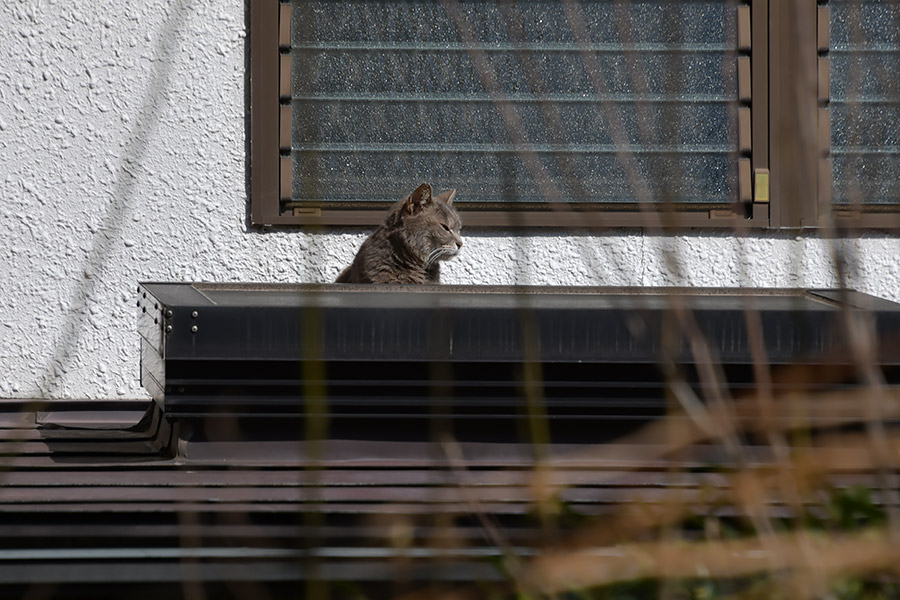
(524, 101)
(865, 101)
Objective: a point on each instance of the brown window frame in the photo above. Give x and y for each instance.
(784, 182)
(814, 65)
(799, 123)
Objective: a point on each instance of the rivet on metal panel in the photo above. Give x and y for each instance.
(168, 329)
(169, 313)
(195, 314)
(193, 329)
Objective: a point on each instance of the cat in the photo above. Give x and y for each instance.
(418, 232)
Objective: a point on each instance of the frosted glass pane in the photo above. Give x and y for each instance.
(865, 101)
(511, 102)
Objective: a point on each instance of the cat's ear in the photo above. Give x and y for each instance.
(446, 197)
(418, 199)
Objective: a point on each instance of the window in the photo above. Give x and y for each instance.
(863, 57)
(576, 113)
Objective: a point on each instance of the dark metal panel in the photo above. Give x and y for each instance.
(115, 418)
(859, 300)
(240, 352)
(152, 574)
(759, 56)
(16, 418)
(430, 497)
(153, 371)
(151, 320)
(345, 510)
(241, 355)
(264, 113)
(793, 142)
(21, 433)
(276, 324)
(166, 294)
(369, 478)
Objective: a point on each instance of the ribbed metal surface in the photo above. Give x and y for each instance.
(401, 353)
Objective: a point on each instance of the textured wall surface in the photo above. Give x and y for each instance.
(122, 159)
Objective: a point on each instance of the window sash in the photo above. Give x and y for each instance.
(783, 178)
(864, 102)
(492, 99)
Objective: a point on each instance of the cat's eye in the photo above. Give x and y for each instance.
(444, 225)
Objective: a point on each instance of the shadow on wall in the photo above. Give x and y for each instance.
(112, 224)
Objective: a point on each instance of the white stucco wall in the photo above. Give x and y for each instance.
(122, 159)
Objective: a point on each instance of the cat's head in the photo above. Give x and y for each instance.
(427, 224)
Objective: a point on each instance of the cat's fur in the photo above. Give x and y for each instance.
(418, 232)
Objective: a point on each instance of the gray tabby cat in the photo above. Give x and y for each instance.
(418, 232)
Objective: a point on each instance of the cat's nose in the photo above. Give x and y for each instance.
(458, 244)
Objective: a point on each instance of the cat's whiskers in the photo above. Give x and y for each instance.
(433, 256)
(438, 253)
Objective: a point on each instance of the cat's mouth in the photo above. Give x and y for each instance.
(442, 253)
